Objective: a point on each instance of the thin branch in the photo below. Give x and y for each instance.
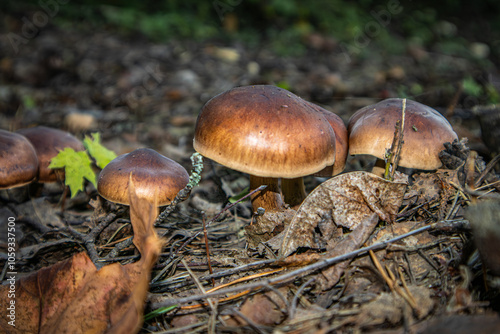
(207, 249)
(394, 152)
(488, 168)
(194, 179)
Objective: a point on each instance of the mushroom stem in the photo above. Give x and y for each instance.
(294, 191)
(269, 198)
(379, 168)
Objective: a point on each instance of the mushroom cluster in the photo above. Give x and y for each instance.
(25, 155)
(272, 134)
(262, 130)
(47, 143)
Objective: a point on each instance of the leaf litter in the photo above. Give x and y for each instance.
(416, 238)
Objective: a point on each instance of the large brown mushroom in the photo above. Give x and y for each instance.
(154, 176)
(267, 132)
(293, 189)
(47, 143)
(371, 131)
(18, 160)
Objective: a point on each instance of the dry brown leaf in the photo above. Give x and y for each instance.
(73, 297)
(389, 307)
(428, 187)
(263, 309)
(266, 226)
(349, 200)
(331, 275)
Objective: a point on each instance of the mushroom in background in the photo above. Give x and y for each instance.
(47, 143)
(154, 175)
(267, 132)
(371, 131)
(18, 160)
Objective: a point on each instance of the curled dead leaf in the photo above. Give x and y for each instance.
(346, 201)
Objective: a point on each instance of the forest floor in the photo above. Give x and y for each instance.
(141, 94)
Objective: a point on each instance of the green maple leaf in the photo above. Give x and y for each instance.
(77, 167)
(101, 154)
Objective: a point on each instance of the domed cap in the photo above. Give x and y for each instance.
(371, 131)
(18, 161)
(341, 142)
(264, 131)
(153, 175)
(47, 143)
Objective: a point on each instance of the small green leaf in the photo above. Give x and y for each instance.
(471, 87)
(101, 154)
(236, 197)
(77, 167)
(159, 311)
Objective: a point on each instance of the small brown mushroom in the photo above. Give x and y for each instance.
(267, 132)
(371, 131)
(18, 160)
(47, 143)
(154, 176)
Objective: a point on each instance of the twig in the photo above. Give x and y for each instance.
(408, 269)
(488, 185)
(249, 321)
(280, 296)
(391, 281)
(394, 153)
(119, 247)
(381, 270)
(199, 286)
(245, 278)
(295, 299)
(194, 179)
(488, 168)
(163, 271)
(452, 208)
(89, 239)
(227, 272)
(207, 248)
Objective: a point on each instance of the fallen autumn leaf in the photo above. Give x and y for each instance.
(72, 296)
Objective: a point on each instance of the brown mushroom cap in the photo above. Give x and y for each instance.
(47, 143)
(154, 175)
(264, 131)
(18, 161)
(341, 142)
(371, 131)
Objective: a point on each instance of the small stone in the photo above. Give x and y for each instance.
(79, 121)
(479, 50)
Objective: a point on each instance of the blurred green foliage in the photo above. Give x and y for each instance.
(282, 23)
